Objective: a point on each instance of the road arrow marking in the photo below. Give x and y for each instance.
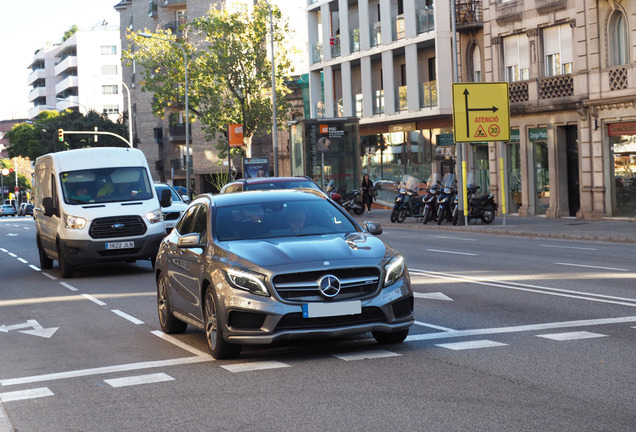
(433, 296)
(38, 330)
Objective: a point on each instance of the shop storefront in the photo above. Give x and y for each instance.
(513, 165)
(622, 145)
(541, 173)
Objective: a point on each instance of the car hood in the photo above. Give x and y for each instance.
(294, 250)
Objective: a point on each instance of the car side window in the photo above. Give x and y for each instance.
(184, 226)
(200, 224)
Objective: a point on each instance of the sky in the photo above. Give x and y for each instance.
(27, 26)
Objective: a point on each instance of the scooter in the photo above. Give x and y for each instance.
(481, 207)
(430, 199)
(408, 202)
(353, 202)
(446, 199)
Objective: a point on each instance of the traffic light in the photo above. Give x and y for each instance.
(60, 135)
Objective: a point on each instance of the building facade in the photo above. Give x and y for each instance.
(83, 73)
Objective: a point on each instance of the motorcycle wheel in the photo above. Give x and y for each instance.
(455, 216)
(358, 211)
(427, 214)
(440, 215)
(489, 215)
(394, 215)
(401, 215)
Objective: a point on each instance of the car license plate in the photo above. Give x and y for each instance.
(120, 245)
(318, 310)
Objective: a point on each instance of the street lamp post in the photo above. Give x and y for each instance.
(130, 132)
(274, 114)
(187, 123)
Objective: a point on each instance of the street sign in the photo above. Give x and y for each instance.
(481, 112)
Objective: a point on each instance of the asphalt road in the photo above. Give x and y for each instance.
(511, 334)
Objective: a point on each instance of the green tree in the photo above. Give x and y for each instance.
(70, 32)
(40, 136)
(229, 72)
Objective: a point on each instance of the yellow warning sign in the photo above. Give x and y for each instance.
(481, 112)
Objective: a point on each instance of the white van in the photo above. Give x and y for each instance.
(95, 205)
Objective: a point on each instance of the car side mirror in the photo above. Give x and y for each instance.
(189, 241)
(47, 204)
(165, 199)
(373, 228)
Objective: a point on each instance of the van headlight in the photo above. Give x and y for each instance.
(248, 281)
(74, 222)
(393, 270)
(154, 216)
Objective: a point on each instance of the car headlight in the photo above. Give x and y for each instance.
(394, 270)
(74, 222)
(154, 216)
(248, 281)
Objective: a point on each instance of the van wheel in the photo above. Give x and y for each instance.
(66, 269)
(45, 262)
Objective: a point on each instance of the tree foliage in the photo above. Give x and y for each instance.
(70, 32)
(40, 136)
(24, 182)
(229, 71)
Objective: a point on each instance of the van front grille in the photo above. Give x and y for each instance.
(118, 226)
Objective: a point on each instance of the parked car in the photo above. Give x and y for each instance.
(269, 183)
(262, 267)
(25, 209)
(7, 210)
(172, 213)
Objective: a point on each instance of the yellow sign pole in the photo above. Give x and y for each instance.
(503, 186)
(465, 193)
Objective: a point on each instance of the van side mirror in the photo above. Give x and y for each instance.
(166, 198)
(47, 204)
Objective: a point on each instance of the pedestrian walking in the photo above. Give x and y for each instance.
(367, 192)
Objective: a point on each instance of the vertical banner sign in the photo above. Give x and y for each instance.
(235, 135)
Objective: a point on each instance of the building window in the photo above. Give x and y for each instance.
(516, 58)
(111, 109)
(475, 64)
(109, 69)
(618, 40)
(109, 50)
(557, 50)
(110, 89)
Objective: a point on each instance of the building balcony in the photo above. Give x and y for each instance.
(401, 101)
(178, 167)
(375, 34)
(425, 19)
(469, 14)
(398, 28)
(70, 62)
(428, 94)
(172, 3)
(540, 94)
(316, 53)
(38, 92)
(548, 6)
(507, 11)
(36, 75)
(65, 84)
(177, 133)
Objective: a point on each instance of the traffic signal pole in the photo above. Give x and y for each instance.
(62, 132)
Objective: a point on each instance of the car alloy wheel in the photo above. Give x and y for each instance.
(219, 347)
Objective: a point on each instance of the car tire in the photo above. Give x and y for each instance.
(358, 211)
(66, 269)
(45, 262)
(168, 323)
(219, 347)
(390, 338)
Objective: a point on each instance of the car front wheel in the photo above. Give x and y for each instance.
(219, 347)
(391, 338)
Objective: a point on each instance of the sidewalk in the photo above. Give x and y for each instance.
(611, 230)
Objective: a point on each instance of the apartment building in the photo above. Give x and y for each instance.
(388, 63)
(163, 141)
(83, 73)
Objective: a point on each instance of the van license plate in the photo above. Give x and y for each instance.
(120, 245)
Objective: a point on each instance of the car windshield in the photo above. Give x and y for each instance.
(287, 184)
(280, 219)
(102, 185)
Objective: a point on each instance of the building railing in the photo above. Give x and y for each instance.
(428, 94)
(397, 27)
(316, 53)
(375, 34)
(357, 104)
(425, 19)
(378, 102)
(468, 12)
(334, 43)
(354, 40)
(401, 101)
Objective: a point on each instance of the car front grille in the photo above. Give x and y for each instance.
(171, 215)
(355, 284)
(118, 226)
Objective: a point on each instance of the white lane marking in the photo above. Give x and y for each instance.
(571, 336)
(50, 276)
(366, 355)
(130, 318)
(93, 299)
(69, 286)
(184, 346)
(432, 296)
(34, 267)
(22, 260)
(3, 250)
(568, 247)
(138, 380)
(433, 326)
(25, 394)
(451, 252)
(530, 288)
(591, 266)
(457, 346)
(455, 238)
(254, 366)
(104, 370)
(523, 328)
(11, 254)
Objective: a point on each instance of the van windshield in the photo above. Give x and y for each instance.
(102, 185)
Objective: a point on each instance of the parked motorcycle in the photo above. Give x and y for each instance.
(430, 199)
(334, 193)
(408, 202)
(481, 207)
(446, 200)
(353, 201)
